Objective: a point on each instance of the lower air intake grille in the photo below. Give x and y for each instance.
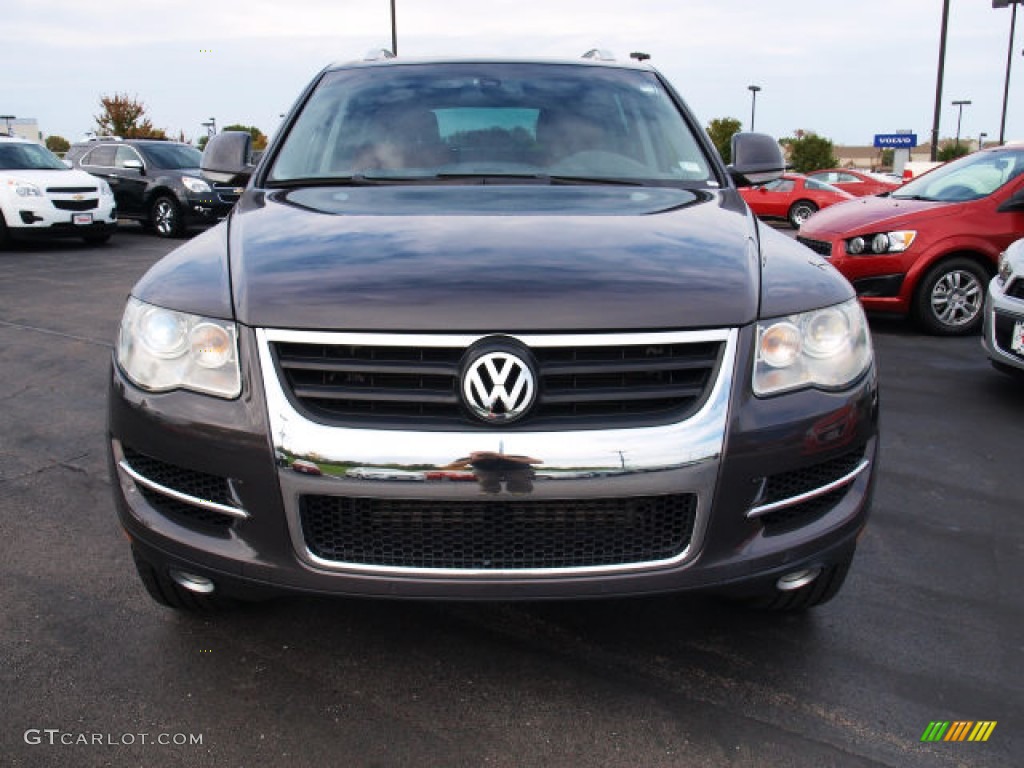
(187, 481)
(497, 535)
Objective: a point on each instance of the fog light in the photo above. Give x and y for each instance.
(797, 579)
(856, 246)
(193, 583)
(880, 243)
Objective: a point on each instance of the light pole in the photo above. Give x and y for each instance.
(938, 81)
(211, 127)
(394, 30)
(753, 102)
(960, 113)
(1009, 58)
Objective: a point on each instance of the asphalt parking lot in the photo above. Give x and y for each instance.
(930, 625)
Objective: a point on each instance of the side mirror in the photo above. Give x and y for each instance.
(134, 165)
(227, 158)
(1014, 202)
(756, 159)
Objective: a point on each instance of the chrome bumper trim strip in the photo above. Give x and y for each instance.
(195, 501)
(792, 501)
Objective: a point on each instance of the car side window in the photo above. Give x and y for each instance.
(124, 154)
(101, 156)
(780, 185)
(844, 178)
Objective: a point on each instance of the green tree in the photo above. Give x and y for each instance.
(202, 141)
(886, 158)
(810, 152)
(259, 140)
(950, 150)
(721, 130)
(57, 144)
(125, 116)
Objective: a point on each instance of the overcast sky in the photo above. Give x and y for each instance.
(846, 69)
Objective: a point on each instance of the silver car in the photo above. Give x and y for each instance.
(1003, 338)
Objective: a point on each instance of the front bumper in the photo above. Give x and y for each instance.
(721, 455)
(1002, 313)
(32, 217)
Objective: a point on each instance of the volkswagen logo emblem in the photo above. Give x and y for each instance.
(498, 386)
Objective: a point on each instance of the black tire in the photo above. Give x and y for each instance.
(818, 592)
(950, 299)
(801, 211)
(5, 236)
(167, 592)
(96, 239)
(166, 218)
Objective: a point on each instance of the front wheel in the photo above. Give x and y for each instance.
(951, 297)
(800, 212)
(166, 218)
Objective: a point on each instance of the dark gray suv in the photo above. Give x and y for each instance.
(155, 182)
(492, 330)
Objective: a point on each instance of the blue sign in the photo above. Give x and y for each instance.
(896, 140)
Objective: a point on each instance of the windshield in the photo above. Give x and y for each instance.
(15, 156)
(171, 156)
(421, 122)
(969, 178)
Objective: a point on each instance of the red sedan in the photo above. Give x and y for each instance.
(857, 183)
(792, 197)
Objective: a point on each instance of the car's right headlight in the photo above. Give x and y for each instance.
(195, 186)
(160, 350)
(826, 348)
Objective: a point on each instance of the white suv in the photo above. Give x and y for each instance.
(41, 197)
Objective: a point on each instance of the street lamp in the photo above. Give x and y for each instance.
(210, 126)
(1009, 58)
(753, 102)
(960, 113)
(639, 56)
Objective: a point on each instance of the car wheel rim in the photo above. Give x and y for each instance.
(956, 298)
(802, 214)
(164, 218)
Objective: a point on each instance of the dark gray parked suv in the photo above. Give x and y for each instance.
(492, 329)
(155, 182)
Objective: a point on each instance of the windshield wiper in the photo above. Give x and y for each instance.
(914, 197)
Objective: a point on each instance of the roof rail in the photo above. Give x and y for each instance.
(599, 54)
(104, 138)
(378, 54)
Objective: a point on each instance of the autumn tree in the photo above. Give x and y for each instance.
(57, 144)
(810, 152)
(721, 130)
(259, 139)
(125, 116)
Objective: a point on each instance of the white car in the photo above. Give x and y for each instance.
(1003, 337)
(41, 197)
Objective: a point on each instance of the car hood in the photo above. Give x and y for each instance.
(869, 214)
(55, 177)
(483, 258)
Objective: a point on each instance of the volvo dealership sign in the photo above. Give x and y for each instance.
(896, 140)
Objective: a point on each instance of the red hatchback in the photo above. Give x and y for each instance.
(793, 196)
(929, 248)
(857, 183)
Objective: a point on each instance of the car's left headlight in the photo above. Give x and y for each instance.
(160, 350)
(827, 348)
(194, 185)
